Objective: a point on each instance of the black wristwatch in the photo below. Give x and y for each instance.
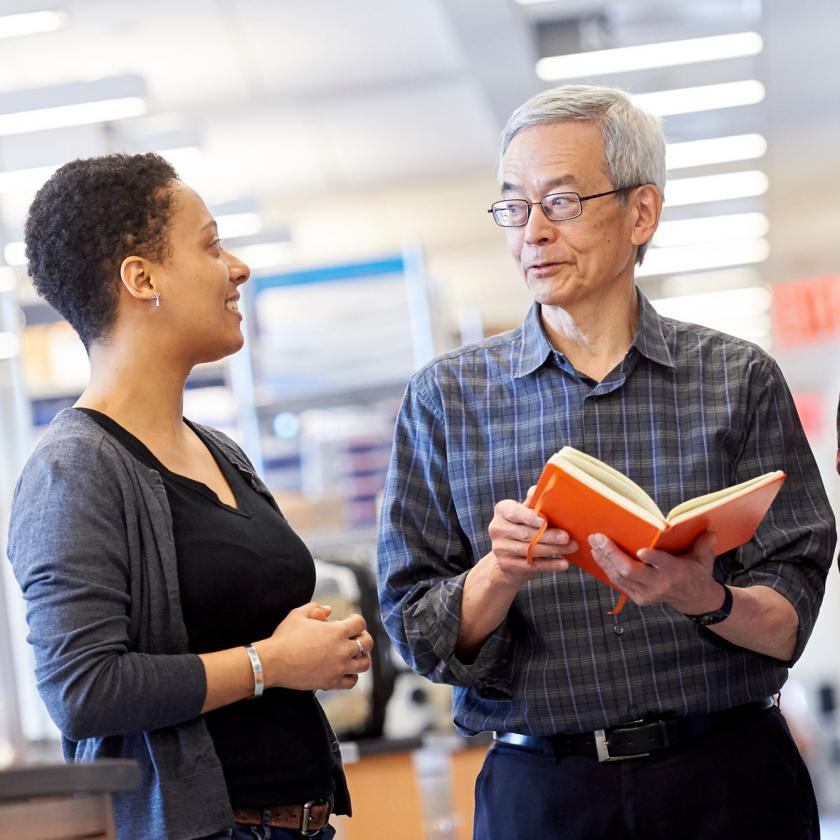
(715, 616)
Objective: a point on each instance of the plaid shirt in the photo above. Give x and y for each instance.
(688, 411)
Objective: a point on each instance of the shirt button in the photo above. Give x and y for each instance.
(618, 629)
(633, 711)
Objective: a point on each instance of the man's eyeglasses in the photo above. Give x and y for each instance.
(559, 207)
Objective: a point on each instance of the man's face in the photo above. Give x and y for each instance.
(569, 262)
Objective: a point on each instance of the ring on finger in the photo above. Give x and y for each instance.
(362, 651)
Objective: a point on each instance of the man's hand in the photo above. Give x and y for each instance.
(511, 530)
(684, 582)
(761, 620)
(492, 584)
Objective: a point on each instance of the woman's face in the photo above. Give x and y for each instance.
(199, 284)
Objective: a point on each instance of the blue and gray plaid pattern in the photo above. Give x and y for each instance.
(688, 411)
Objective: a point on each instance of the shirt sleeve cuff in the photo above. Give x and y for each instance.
(434, 621)
(796, 594)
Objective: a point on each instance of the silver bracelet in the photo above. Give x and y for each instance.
(256, 665)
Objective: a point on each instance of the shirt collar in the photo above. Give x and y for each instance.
(535, 348)
(649, 339)
(650, 334)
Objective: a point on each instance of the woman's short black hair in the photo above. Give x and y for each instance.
(87, 218)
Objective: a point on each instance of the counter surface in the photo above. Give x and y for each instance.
(26, 781)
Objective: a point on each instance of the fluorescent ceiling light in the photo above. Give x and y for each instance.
(705, 188)
(9, 345)
(648, 56)
(183, 157)
(718, 280)
(753, 300)
(742, 312)
(714, 150)
(699, 257)
(15, 253)
(701, 98)
(72, 103)
(30, 23)
(31, 180)
(265, 254)
(8, 279)
(235, 225)
(62, 116)
(710, 229)
(25, 180)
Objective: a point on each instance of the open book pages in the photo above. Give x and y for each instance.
(684, 510)
(585, 496)
(623, 491)
(609, 482)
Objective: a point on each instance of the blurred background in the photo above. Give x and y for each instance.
(348, 151)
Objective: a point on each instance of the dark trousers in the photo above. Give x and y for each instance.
(739, 783)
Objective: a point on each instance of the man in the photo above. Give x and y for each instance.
(678, 684)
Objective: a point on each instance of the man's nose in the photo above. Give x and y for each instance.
(538, 227)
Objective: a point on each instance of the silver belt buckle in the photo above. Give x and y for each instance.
(602, 749)
(307, 818)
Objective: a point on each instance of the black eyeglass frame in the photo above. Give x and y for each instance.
(580, 198)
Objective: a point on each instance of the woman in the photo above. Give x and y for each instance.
(164, 587)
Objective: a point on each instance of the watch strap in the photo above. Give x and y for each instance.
(715, 616)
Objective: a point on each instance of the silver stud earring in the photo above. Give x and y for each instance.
(157, 298)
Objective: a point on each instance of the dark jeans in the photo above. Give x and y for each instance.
(258, 832)
(738, 783)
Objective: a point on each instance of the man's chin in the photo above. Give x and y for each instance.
(552, 293)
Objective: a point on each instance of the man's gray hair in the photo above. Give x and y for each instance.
(633, 139)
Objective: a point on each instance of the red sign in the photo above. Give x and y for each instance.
(811, 409)
(806, 311)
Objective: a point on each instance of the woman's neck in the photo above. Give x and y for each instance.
(142, 392)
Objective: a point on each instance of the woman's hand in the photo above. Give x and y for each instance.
(308, 652)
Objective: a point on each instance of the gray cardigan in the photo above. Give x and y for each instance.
(92, 549)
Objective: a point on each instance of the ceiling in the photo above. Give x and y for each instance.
(291, 98)
(286, 98)
(353, 126)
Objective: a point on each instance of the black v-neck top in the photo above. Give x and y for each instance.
(240, 571)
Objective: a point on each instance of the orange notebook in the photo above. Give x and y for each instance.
(585, 496)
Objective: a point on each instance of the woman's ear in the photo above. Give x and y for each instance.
(135, 274)
(647, 203)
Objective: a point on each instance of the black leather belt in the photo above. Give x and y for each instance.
(635, 739)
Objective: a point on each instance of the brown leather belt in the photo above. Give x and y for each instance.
(308, 819)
